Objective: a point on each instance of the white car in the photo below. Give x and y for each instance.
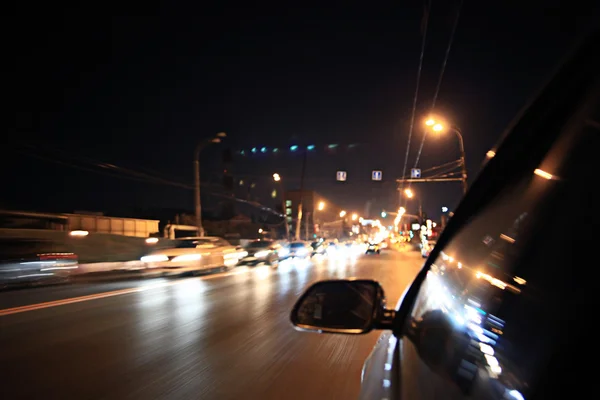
(194, 254)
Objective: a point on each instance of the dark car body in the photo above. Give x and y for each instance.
(373, 248)
(501, 307)
(261, 252)
(295, 250)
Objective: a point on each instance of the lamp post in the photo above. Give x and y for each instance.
(439, 127)
(410, 194)
(277, 178)
(197, 199)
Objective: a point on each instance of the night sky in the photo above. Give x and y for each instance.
(139, 93)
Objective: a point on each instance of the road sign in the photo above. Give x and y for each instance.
(415, 173)
(341, 176)
(376, 175)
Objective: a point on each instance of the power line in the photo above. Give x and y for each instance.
(415, 97)
(441, 76)
(130, 174)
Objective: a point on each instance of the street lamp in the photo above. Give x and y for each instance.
(354, 217)
(321, 206)
(438, 126)
(277, 178)
(409, 193)
(342, 214)
(197, 199)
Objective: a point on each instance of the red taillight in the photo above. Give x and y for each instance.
(57, 256)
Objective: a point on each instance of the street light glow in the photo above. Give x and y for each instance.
(321, 206)
(409, 193)
(438, 127)
(342, 214)
(354, 217)
(276, 177)
(430, 122)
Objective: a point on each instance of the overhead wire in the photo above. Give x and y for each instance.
(441, 76)
(416, 94)
(116, 171)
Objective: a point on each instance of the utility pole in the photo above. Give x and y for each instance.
(277, 178)
(306, 225)
(197, 198)
(299, 221)
(463, 164)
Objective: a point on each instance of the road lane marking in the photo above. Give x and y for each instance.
(103, 295)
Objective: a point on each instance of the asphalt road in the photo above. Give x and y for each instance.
(221, 336)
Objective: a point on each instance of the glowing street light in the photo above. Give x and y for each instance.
(321, 206)
(409, 193)
(342, 214)
(354, 217)
(276, 177)
(438, 126)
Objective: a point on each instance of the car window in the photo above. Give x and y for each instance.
(221, 242)
(187, 244)
(259, 245)
(485, 319)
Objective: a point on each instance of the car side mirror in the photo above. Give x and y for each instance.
(342, 306)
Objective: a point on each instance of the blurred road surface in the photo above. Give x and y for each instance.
(222, 336)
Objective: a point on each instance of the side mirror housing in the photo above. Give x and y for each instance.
(342, 306)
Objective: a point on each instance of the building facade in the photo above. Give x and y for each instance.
(320, 216)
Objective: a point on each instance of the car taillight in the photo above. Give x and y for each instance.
(57, 256)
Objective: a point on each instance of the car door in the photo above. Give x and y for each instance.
(496, 309)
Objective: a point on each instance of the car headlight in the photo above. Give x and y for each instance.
(187, 257)
(154, 258)
(261, 254)
(283, 252)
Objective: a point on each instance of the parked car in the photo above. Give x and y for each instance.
(261, 252)
(499, 310)
(35, 261)
(194, 254)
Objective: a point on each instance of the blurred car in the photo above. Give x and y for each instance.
(373, 248)
(426, 248)
(34, 261)
(499, 309)
(318, 247)
(295, 250)
(194, 254)
(261, 252)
